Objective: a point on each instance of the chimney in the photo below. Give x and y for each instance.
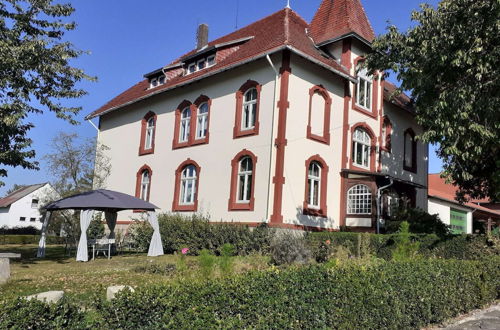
(202, 36)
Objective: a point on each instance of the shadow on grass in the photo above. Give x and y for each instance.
(55, 253)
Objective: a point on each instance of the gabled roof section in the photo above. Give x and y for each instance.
(20, 193)
(336, 18)
(282, 30)
(400, 100)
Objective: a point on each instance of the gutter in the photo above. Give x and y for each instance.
(212, 73)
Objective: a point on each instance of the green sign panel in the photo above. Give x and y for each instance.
(458, 221)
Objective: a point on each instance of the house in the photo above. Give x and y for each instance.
(471, 217)
(274, 123)
(21, 208)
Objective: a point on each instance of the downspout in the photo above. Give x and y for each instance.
(272, 135)
(379, 204)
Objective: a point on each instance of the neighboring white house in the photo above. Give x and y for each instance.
(273, 123)
(21, 207)
(462, 218)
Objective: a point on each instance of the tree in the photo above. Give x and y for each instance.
(76, 165)
(35, 73)
(450, 61)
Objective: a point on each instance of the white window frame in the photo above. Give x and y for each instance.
(162, 79)
(314, 182)
(365, 83)
(185, 125)
(252, 113)
(191, 65)
(153, 83)
(210, 58)
(204, 61)
(34, 205)
(202, 121)
(359, 200)
(188, 178)
(145, 182)
(408, 150)
(150, 127)
(245, 185)
(364, 143)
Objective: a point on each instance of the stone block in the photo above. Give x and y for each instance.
(49, 296)
(113, 290)
(4, 270)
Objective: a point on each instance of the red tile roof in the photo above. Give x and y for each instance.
(401, 100)
(283, 29)
(18, 194)
(336, 18)
(440, 189)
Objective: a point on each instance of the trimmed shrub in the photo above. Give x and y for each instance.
(420, 222)
(197, 233)
(29, 230)
(288, 248)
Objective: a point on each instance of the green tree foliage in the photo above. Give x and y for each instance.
(450, 62)
(35, 73)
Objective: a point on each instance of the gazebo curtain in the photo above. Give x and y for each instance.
(85, 218)
(111, 222)
(41, 244)
(155, 246)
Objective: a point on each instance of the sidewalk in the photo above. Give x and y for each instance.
(486, 319)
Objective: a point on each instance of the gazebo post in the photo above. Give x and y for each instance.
(41, 244)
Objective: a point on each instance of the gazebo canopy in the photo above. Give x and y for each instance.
(101, 200)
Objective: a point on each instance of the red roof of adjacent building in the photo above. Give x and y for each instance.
(336, 18)
(401, 100)
(438, 188)
(283, 29)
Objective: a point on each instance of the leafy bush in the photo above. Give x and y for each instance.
(154, 268)
(404, 248)
(29, 230)
(96, 229)
(207, 262)
(420, 222)
(197, 233)
(226, 261)
(288, 248)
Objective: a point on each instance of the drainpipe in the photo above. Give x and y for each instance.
(379, 204)
(276, 72)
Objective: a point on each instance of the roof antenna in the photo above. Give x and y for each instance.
(288, 4)
(237, 13)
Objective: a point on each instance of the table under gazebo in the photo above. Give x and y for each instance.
(109, 202)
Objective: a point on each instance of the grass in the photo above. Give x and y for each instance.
(81, 281)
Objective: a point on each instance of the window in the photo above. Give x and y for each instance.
(314, 183)
(201, 64)
(410, 151)
(34, 203)
(364, 90)
(202, 121)
(32, 219)
(318, 127)
(386, 134)
(247, 109)
(361, 148)
(22, 219)
(147, 141)
(191, 68)
(359, 200)
(161, 80)
(185, 125)
(316, 187)
(210, 60)
(186, 187)
(154, 83)
(157, 81)
(242, 181)
(143, 183)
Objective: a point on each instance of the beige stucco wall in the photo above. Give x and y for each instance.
(121, 130)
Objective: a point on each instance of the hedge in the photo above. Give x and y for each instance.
(29, 239)
(374, 295)
(466, 247)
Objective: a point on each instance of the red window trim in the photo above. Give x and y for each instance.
(176, 206)
(375, 83)
(373, 145)
(237, 131)
(388, 134)
(138, 181)
(144, 124)
(413, 167)
(322, 212)
(326, 115)
(192, 141)
(233, 204)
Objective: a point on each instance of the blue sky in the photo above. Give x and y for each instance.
(128, 38)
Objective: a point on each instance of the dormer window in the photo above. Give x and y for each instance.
(201, 64)
(161, 80)
(191, 68)
(154, 82)
(157, 81)
(210, 60)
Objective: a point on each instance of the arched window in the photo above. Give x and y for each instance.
(187, 178)
(247, 109)
(188, 185)
(147, 142)
(359, 200)
(318, 127)
(185, 125)
(364, 90)
(316, 187)
(410, 151)
(202, 121)
(314, 183)
(143, 183)
(361, 148)
(242, 181)
(386, 134)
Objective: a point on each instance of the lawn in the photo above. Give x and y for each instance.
(81, 281)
